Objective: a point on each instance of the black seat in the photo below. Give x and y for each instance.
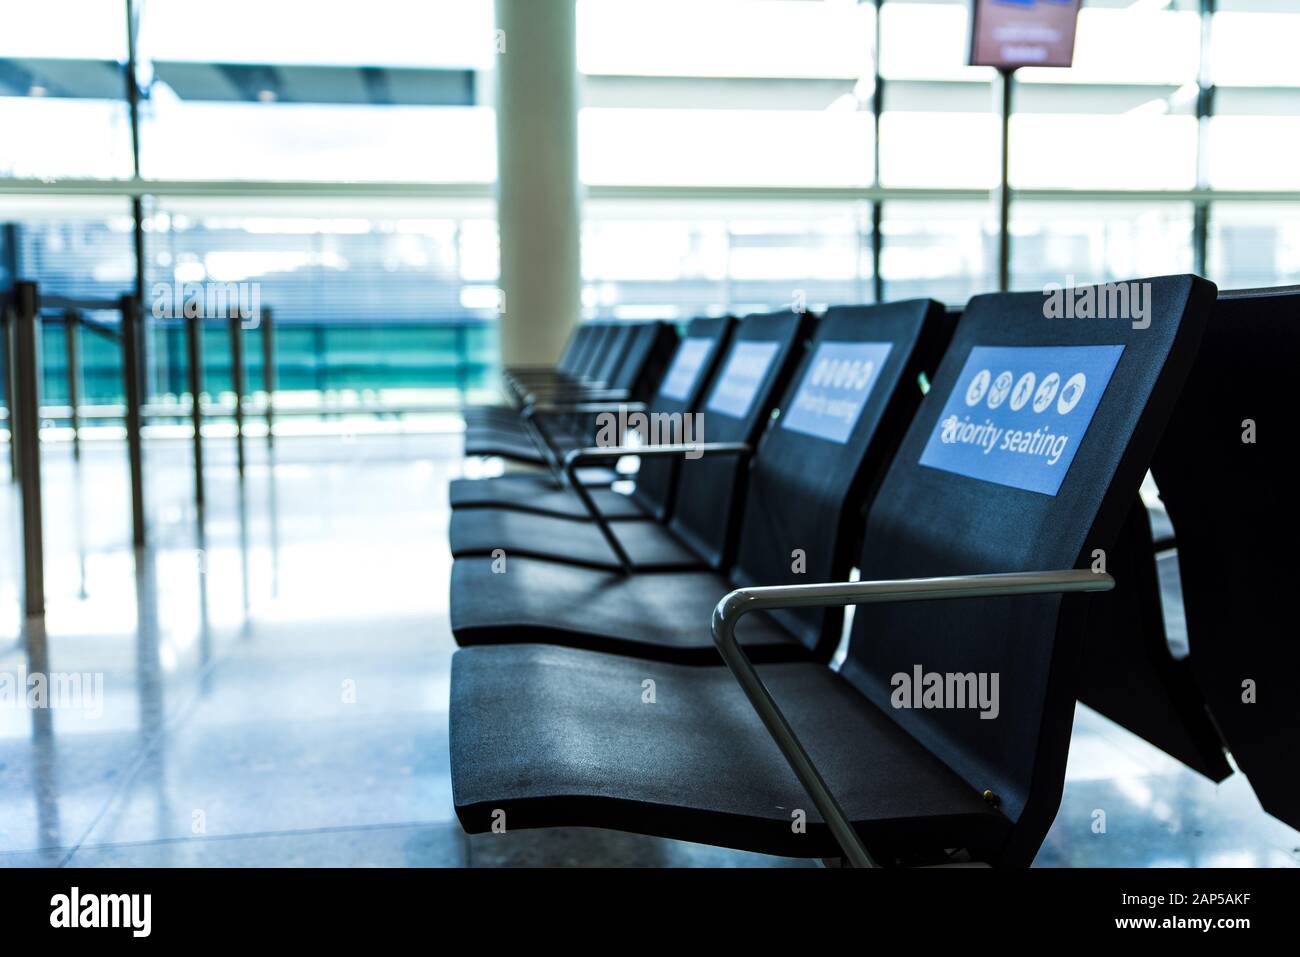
(553, 737)
(1236, 521)
(663, 615)
(1129, 672)
(800, 523)
(594, 342)
(635, 361)
(566, 737)
(679, 391)
(759, 361)
(566, 367)
(573, 361)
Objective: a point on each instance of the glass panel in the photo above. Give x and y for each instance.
(1078, 244)
(754, 93)
(1254, 136)
(938, 127)
(1254, 244)
(428, 333)
(947, 251)
(392, 91)
(62, 90)
(64, 29)
(1254, 152)
(741, 258)
(1255, 46)
(735, 38)
(384, 33)
(1130, 43)
(937, 149)
(927, 40)
(725, 148)
(316, 142)
(1132, 150)
(1123, 117)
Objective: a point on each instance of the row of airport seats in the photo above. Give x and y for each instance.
(603, 362)
(1223, 468)
(980, 472)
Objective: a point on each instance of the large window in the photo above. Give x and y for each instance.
(1255, 244)
(1255, 132)
(738, 257)
(62, 90)
(729, 92)
(728, 150)
(1077, 243)
(363, 299)
(945, 251)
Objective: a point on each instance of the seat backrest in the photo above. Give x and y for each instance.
(617, 341)
(649, 348)
(579, 342)
(759, 361)
(1026, 455)
(1129, 673)
(1226, 475)
(839, 423)
(680, 390)
(598, 346)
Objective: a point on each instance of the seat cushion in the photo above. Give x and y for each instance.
(664, 616)
(521, 485)
(517, 448)
(497, 432)
(488, 416)
(537, 499)
(562, 737)
(481, 531)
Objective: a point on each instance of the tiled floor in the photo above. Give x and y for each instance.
(275, 684)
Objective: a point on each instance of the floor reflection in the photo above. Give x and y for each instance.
(274, 675)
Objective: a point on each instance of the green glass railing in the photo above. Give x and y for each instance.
(362, 356)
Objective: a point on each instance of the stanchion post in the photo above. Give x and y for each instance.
(7, 324)
(72, 347)
(194, 359)
(133, 382)
(268, 372)
(237, 382)
(25, 426)
(1004, 88)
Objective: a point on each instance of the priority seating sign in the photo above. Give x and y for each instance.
(835, 388)
(744, 372)
(686, 368)
(1018, 414)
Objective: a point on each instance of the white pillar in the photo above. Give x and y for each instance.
(538, 205)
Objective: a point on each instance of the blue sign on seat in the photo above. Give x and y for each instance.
(1018, 414)
(834, 389)
(744, 372)
(686, 367)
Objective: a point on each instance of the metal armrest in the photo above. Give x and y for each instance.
(741, 602)
(1164, 543)
(579, 457)
(573, 394)
(578, 408)
(532, 414)
(600, 453)
(522, 389)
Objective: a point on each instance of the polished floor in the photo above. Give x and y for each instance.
(268, 685)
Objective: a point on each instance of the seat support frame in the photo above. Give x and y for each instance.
(587, 456)
(741, 602)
